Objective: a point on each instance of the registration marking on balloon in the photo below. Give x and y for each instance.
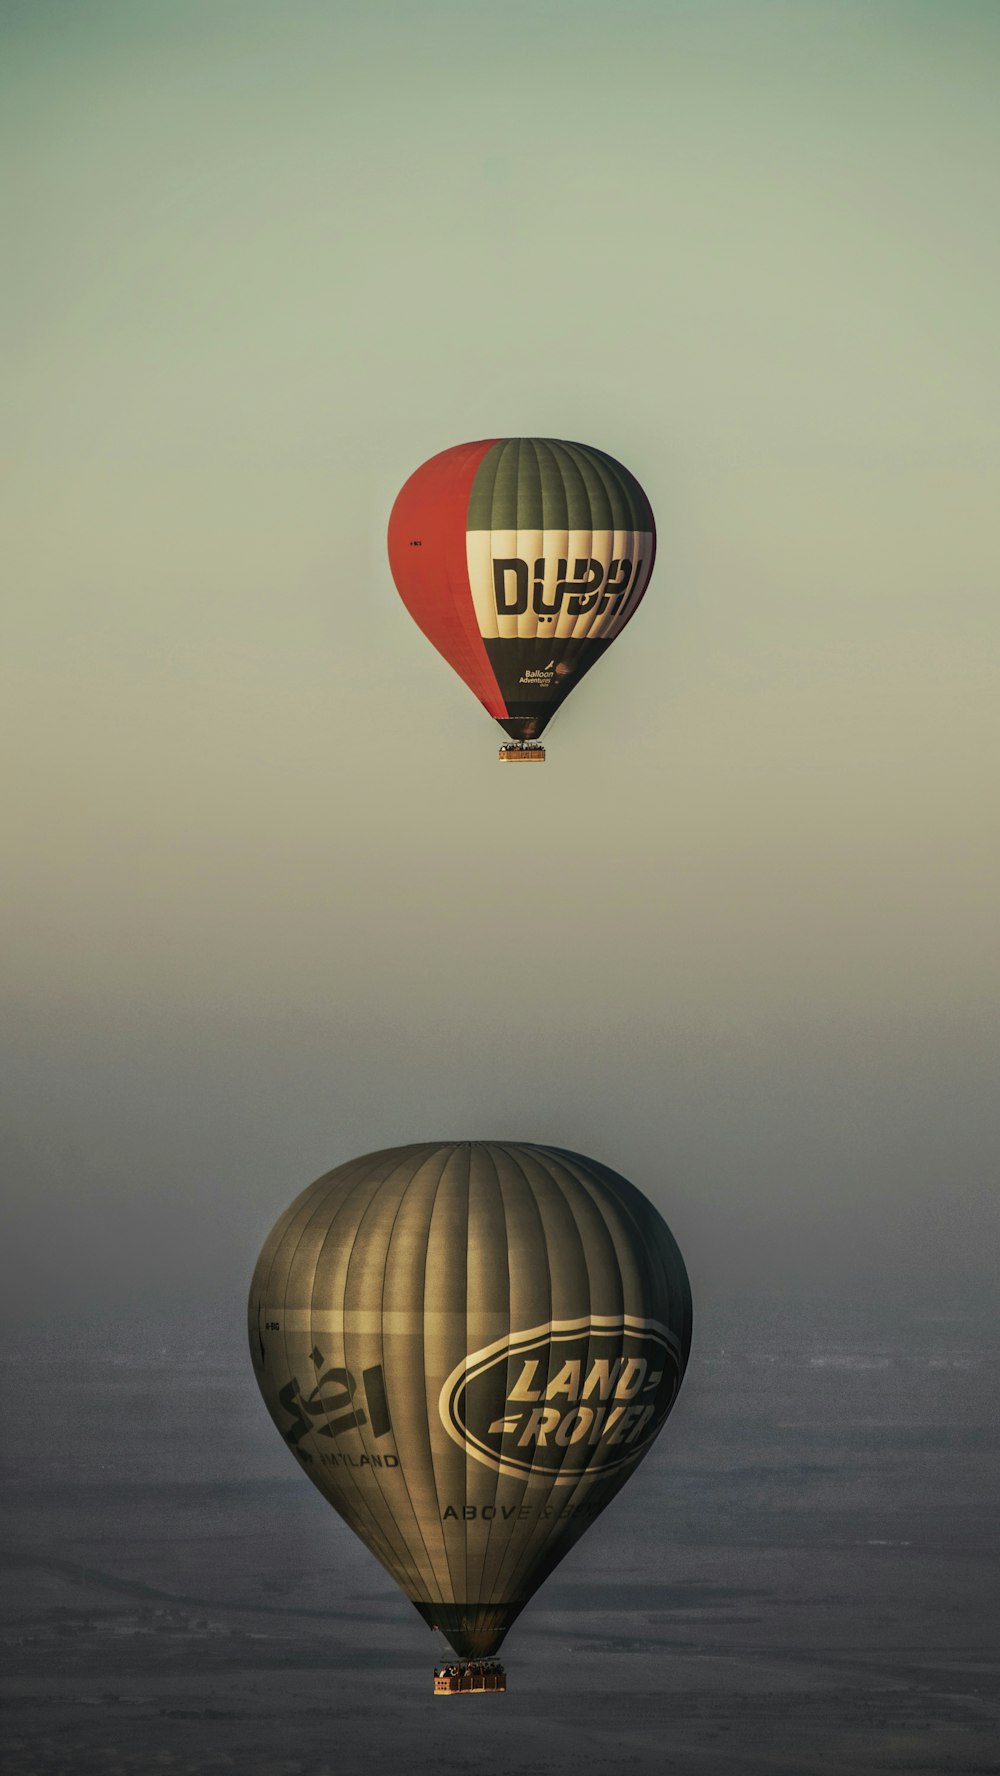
(563, 1400)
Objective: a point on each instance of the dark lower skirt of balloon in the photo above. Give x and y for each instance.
(523, 727)
(475, 1630)
(535, 676)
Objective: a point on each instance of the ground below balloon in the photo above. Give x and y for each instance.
(802, 1577)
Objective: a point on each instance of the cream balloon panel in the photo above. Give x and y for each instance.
(563, 584)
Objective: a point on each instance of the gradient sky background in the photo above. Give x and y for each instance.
(269, 900)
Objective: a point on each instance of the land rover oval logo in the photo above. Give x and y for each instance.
(566, 1398)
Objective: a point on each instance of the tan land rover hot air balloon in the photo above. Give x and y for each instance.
(469, 1347)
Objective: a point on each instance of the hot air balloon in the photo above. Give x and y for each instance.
(521, 559)
(469, 1347)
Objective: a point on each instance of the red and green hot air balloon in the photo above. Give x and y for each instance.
(521, 559)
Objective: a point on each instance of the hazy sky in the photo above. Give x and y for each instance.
(269, 901)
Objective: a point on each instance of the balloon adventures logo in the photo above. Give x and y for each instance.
(570, 1398)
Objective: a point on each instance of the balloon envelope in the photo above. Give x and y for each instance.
(521, 559)
(469, 1347)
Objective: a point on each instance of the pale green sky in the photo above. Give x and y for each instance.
(270, 901)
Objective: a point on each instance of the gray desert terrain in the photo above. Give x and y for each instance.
(802, 1577)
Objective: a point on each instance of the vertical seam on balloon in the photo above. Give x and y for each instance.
(551, 446)
(354, 1185)
(507, 444)
(272, 1265)
(515, 445)
(501, 1591)
(546, 1548)
(486, 470)
(487, 1152)
(465, 590)
(540, 1548)
(575, 452)
(567, 452)
(313, 1212)
(404, 1166)
(485, 473)
(593, 1180)
(641, 517)
(526, 445)
(445, 1151)
(594, 1477)
(461, 594)
(428, 1152)
(467, 1150)
(537, 445)
(678, 1291)
(590, 534)
(386, 1541)
(614, 483)
(515, 1571)
(584, 461)
(610, 487)
(543, 1158)
(638, 590)
(606, 1484)
(498, 446)
(496, 1592)
(633, 495)
(615, 480)
(456, 636)
(539, 1155)
(448, 1151)
(366, 1510)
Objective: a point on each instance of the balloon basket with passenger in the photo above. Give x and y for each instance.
(470, 1677)
(522, 752)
